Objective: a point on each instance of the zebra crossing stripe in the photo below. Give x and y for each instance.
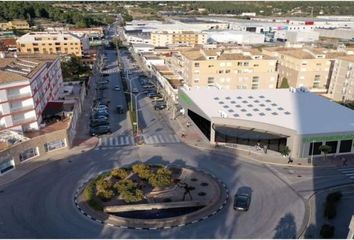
(111, 141)
(161, 139)
(99, 142)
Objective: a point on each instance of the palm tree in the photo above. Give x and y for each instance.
(325, 149)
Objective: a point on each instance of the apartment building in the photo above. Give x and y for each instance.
(53, 43)
(27, 83)
(14, 25)
(301, 67)
(226, 68)
(341, 87)
(165, 38)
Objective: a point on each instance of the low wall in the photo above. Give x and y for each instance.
(151, 206)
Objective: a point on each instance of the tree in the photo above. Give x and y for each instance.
(284, 83)
(285, 150)
(162, 178)
(73, 68)
(142, 170)
(119, 173)
(325, 149)
(327, 231)
(128, 191)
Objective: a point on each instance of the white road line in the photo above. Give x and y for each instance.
(147, 139)
(344, 169)
(111, 141)
(349, 174)
(350, 171)
(99, 142)
(161, 139)
(104, 140)
(176, 138)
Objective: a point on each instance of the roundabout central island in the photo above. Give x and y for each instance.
(143, 196)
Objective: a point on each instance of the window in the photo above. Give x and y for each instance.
(333, 145)
(239, 63)
(28, 153)
(6, 165)
(53, 145)
(316, 149)
(221, 71)
(227, 71)
(196, 80)
(49, 44)
(246, 64)
(210, 80)
(255, 65)
(210, 66)
(316, 81)
(36, 49)
(345, 146)
(35, 44)
(196, 64)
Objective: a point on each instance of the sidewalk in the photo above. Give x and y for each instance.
(27, 167)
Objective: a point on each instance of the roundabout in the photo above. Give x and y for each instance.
(151, 197)
(42, 204)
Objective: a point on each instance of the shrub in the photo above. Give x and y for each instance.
(105, 195)
(334, 197)
(128, 191)
(89, 195)
(162, 178)
(327, 231)
(142, 170)
(103, 185)
(119, 173)
(285, 150)
(330, 210)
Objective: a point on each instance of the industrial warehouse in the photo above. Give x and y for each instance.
(295, 118)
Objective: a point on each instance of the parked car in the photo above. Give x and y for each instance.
(159, 105)
(135, 90)
(98, 122)
(99, 118)
(242, 201)
(152, 94)
(120, 109)
(117, 88)
(99, 130)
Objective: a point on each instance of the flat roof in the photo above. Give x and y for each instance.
(303, 112)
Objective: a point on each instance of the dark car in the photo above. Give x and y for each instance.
(120, 109)
(98, 122)
(99, 130)
(242, 201)
(159, 105)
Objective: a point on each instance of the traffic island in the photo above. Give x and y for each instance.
(145, 196)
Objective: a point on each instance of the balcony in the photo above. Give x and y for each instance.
(18, 96)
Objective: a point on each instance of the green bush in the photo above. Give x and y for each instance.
(105, 195)
(327, 231)
(128, 191)
(334, 197)
(142, 170)
(119, 173)
(330, 211)
(89, 195)
(103, 185)
(162, 178)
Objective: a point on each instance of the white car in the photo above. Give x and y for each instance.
(135, 90)
(117, 88)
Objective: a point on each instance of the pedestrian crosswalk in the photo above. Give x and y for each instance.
(160, 139)
(349, 172)
(115, 141)
(111, 70)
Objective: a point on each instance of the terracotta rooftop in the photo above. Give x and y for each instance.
(24, 67)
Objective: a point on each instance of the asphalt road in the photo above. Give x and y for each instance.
(40, 205)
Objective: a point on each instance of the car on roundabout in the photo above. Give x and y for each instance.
(242, 201)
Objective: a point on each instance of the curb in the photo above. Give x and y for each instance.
(81, 187)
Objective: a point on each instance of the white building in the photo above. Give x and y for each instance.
(301, 36)
(238, 37)
(27, 84)
(295, 118)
